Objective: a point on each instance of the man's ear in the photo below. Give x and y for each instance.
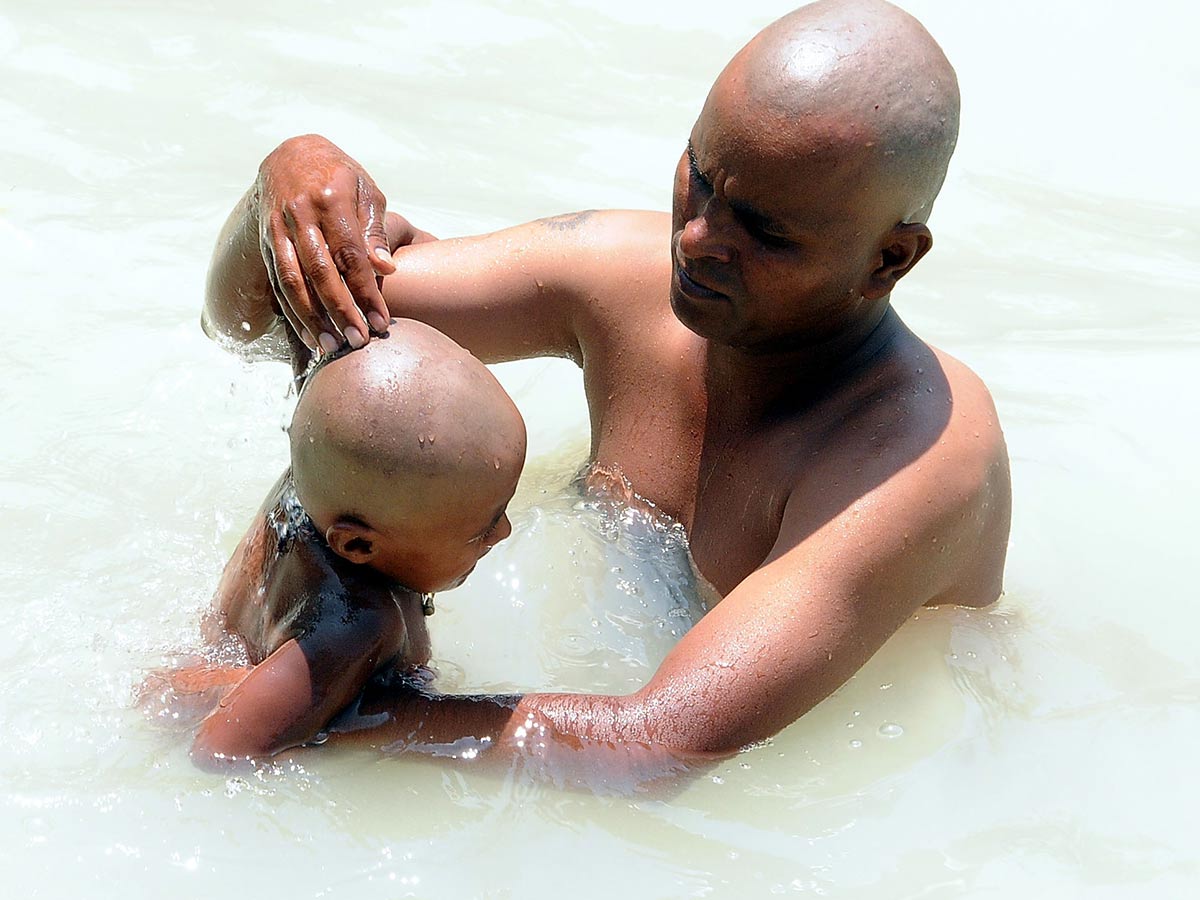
(902, 249)
(351, 540)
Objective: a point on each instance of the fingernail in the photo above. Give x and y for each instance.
(328, 342)
(308, 340)
(354, 336)
(383, 254)
(378, 323)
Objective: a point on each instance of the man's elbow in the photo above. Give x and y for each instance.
(699, 731)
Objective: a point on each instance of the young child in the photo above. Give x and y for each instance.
(404, 456)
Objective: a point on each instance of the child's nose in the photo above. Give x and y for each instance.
(502, 530)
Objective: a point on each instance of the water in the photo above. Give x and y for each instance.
(1045, 747)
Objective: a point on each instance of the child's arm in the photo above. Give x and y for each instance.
(292, 694)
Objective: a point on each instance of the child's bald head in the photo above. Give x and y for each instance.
(404, 452)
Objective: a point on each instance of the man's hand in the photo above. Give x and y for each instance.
(323, 241)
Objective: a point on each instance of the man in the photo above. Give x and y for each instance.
(743, 367)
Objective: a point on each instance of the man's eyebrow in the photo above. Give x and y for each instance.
(747, 212)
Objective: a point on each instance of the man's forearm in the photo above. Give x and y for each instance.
(238, 295)
(584, 740)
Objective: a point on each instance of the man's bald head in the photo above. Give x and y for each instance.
(400, 429)
(855, 76)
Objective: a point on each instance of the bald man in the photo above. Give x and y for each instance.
(404, 457)
(743, 366)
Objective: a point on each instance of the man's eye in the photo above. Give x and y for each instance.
(767, 238)
(772, 240)
(694, 168)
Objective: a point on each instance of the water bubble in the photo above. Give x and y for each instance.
(890, 730)
(854, 745)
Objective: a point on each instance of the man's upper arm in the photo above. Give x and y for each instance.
(827, 597)
(525, 291)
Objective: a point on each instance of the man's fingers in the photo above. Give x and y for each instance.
(303, 314)
(346, 247)
(324, 273)
(372, 215)
(280, 305)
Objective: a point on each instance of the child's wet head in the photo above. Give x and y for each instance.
(405, 454)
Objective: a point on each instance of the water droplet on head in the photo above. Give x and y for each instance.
(890, 730)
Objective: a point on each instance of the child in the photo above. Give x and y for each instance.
(404, 456)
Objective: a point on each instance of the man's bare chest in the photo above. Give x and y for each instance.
(729, 494)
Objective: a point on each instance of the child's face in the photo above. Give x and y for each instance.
(463, 522)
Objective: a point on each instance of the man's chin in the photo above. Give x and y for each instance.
(692, 317)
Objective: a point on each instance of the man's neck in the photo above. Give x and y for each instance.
(747, 385)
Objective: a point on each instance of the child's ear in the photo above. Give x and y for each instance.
(903, 249)
(351, 540)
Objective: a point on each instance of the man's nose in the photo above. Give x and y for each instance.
(706, 234)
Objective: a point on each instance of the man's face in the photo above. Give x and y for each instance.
(775, 229)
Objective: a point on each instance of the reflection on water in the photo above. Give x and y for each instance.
(1041, 747)
(589, 593)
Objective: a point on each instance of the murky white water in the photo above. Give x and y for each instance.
(1042, 748)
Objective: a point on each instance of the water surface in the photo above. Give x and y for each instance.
(1043, 747)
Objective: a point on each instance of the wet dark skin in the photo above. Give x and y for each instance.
(316, 628)
(327, 595)
(744, 369)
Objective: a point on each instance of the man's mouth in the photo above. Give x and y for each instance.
(697, 290)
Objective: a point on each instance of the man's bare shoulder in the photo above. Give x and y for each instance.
(922, 404)
(973, 427)
(611, 225)
(616, 261)
(915, 456)
(606, 247)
